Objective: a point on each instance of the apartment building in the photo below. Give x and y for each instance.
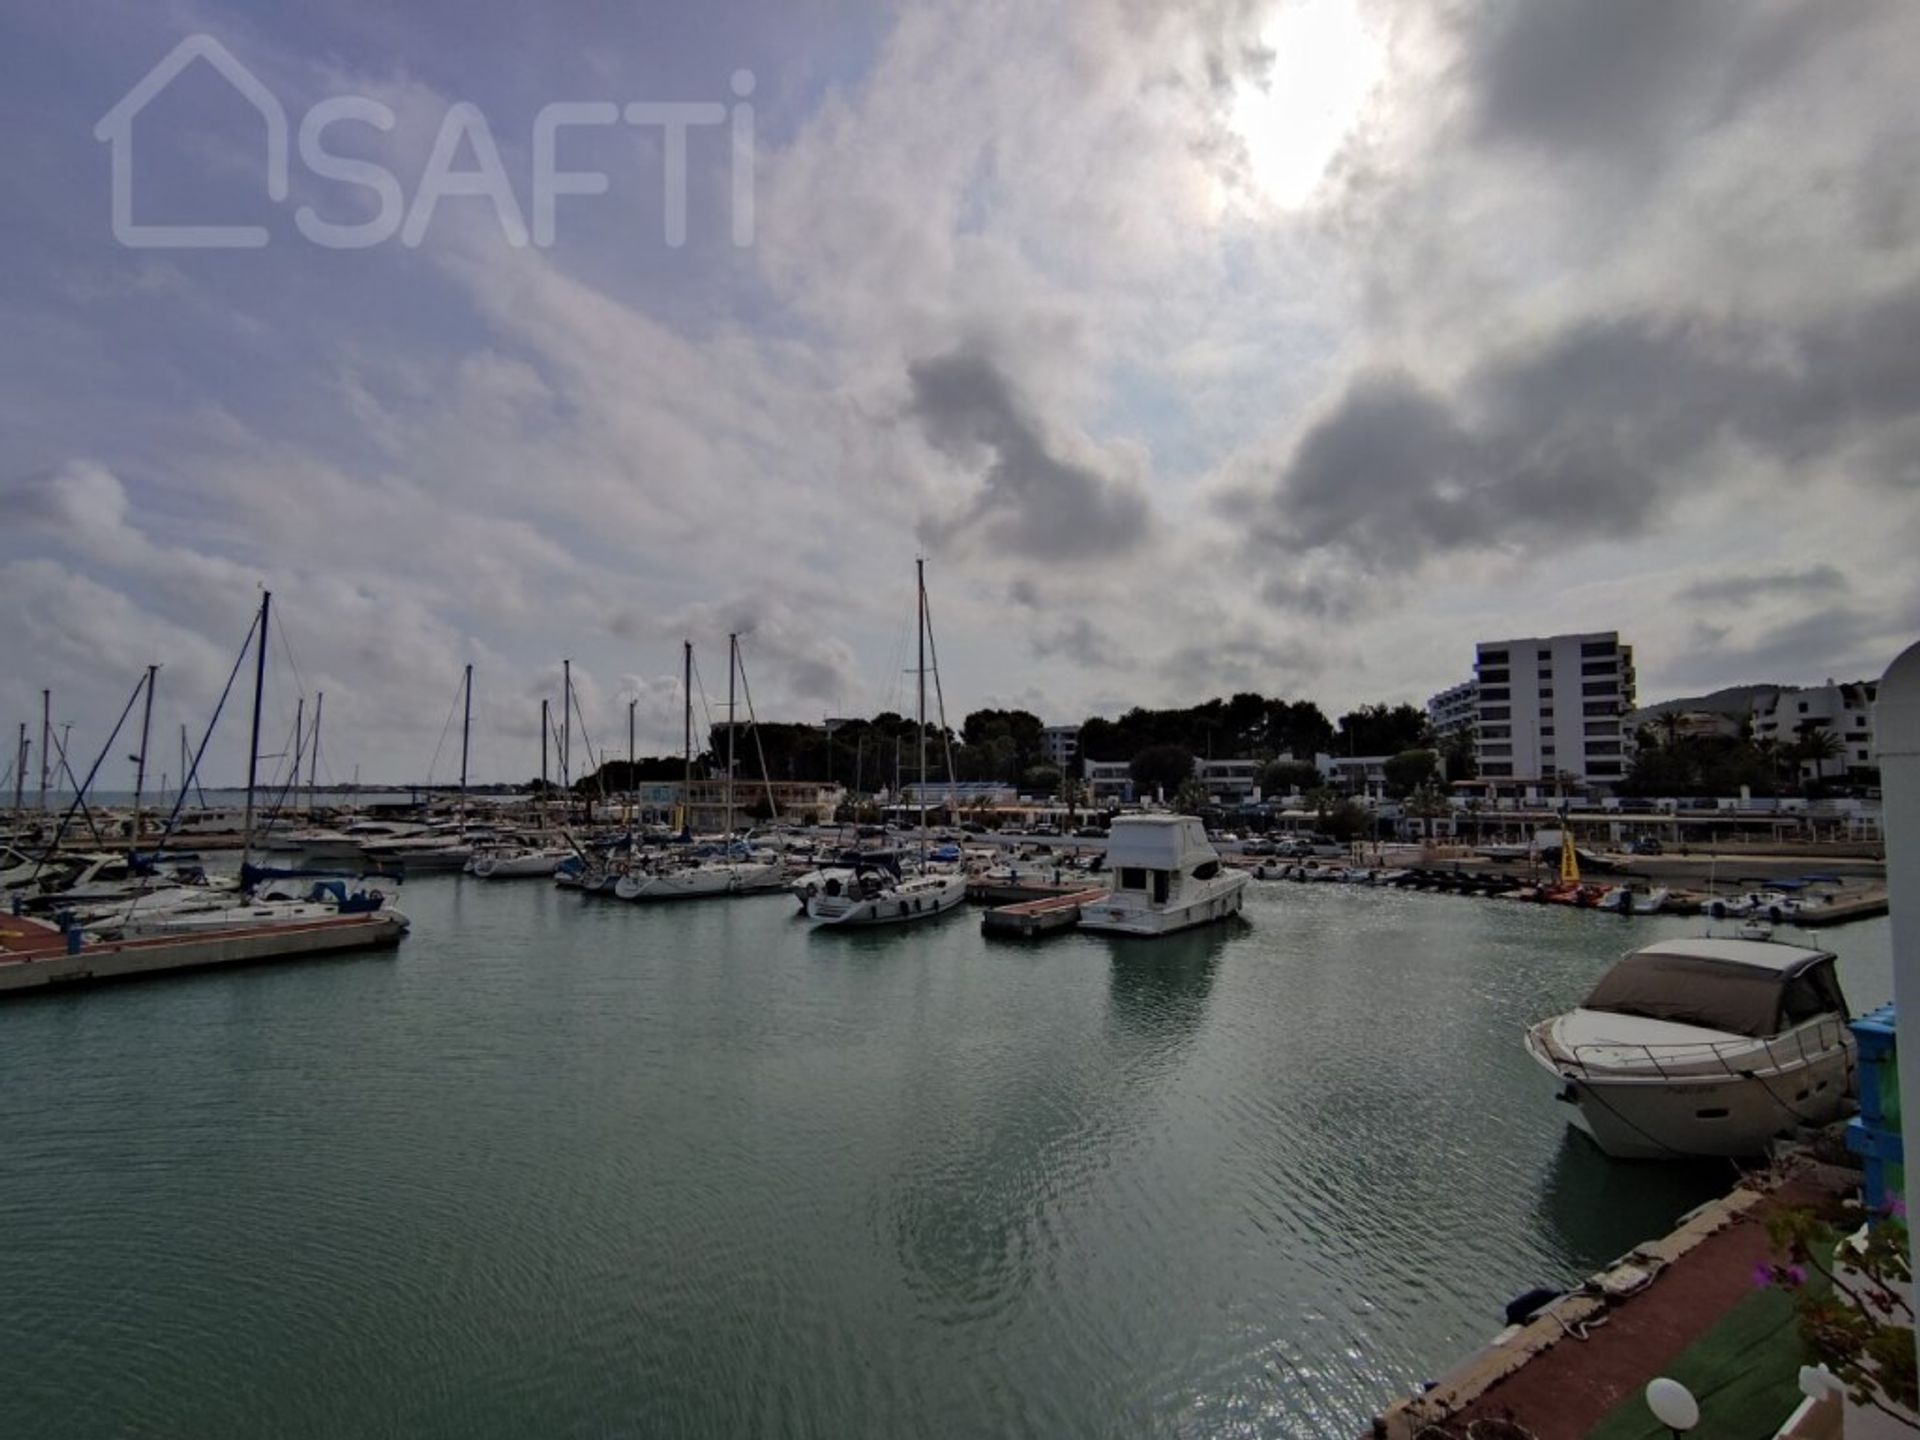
(1552, 706)
(1454, 710)
(1060, 744)
(1843, 711)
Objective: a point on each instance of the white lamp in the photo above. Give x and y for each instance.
(1673, 1405)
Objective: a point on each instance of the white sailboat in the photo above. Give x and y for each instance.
(876, 895)
(726, 874)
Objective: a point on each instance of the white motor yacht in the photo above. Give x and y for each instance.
(1166, 877)
(1703, 1047)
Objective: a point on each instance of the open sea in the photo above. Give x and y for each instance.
(566, 1167)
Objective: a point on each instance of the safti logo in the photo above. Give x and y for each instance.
(394, 214)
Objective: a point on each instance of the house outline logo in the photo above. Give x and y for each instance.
(116, 130)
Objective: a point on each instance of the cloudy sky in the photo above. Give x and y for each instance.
(1279, 344)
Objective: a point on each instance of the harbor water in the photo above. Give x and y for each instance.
(567, 1168)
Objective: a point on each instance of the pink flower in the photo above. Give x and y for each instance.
(1762, 1275)
(1796, 1275)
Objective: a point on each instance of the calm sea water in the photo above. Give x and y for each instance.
(569, 1168)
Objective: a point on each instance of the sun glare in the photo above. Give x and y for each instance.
(1293, 118)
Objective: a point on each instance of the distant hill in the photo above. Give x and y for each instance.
(1735, 701)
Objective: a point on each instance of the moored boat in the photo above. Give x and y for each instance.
(1702, 1047)
(1166, 877)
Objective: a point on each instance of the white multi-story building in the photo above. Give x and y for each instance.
(1843, 711)
(1454, 710)
(1553, 706)
(1061, 745)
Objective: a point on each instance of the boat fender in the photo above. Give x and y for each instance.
(1717, 909)
(1523, 1308)
(1773, 914)
(833, 887)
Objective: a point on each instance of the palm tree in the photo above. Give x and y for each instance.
(1428, 803)
(1669, 723)
(1073, 790)
(1818, 746)
(1191, 798)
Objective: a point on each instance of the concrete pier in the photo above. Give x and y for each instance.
(35, 956)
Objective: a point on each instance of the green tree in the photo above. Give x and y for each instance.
(1409, 770)
(1161, 767)
(1428, 802)
(1191, 798)
(1284, 777)
(1040, 780)
(1347, 820)
(1382, 730)
(1818, 746)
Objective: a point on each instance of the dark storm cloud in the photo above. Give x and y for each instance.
(1032, 502)
(1578, 77)
(1080, 641)
(1738, 589)
(1836, 643)
(1582, 437)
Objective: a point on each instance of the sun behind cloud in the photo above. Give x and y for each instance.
(1293, 118)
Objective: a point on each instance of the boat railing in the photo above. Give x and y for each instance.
(1682, 1061)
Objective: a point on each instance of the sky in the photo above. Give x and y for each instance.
(1197, 345)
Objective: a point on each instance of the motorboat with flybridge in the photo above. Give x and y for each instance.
(1703, 1046)
(1167, 877)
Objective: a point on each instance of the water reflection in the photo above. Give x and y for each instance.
(1597, 1208)
(1159, 988)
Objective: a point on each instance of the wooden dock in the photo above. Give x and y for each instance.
(35, 955)
(1042, 916)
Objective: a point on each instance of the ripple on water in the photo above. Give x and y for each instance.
(580, 1169)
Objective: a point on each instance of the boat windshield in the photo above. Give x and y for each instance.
(1716, 995)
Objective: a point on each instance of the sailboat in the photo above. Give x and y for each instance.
(727, 873)
(1569, 891)
(883, 894)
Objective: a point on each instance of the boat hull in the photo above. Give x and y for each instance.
(899, 905)
(1738, 1115)
(1122, 916)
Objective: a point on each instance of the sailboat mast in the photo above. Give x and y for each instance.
(733, 667)
(566, 727)
(292, 788)
(686, 693)
(20, 771)
(253, 747)
(140, 770)
(46, 742)
(466, 731)
(313, 763)
(920, 576)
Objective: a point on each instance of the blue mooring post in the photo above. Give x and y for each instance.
(71, 929)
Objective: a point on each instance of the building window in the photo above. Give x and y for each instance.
(1496, 692)
(1496, 772)
(1546, 730)
(1496, 750)
(1599, 647)
(1604, 767)
(1496, 732)
(1603, 747)
(1496, 712)
(1494, 677)
(1600, 687)
(1603, 727)
(1493, 657)
(1598, 667)
(1803, 707)
(1544, 654)
(1600, 707)
(1862, 756)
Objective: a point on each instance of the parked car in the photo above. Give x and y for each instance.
(1646, 845)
